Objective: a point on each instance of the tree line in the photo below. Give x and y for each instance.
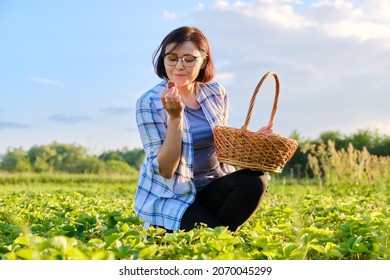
(375, 143)
(71, 158)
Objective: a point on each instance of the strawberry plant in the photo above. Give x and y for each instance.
(74, 218)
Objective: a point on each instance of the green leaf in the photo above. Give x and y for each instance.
(68, 228)
(74, 253)
(111, 239)
(22, 240)
(344, 248)
(318, 248)
(96, 242)
(60, 243)
(101, 255)
(125, 228)
(25, 254)
(148, 251)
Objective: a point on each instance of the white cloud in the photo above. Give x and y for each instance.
(343, 19)
(45, 81)
(224, 76)
(340, 18)
(360, 30)
(61, 118)
(380, 9)
(222, 5)
(271, 11)
(168, 15)
(200, 7)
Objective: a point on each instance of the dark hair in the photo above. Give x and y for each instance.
(178, 37)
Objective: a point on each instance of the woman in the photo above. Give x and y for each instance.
(181, 183)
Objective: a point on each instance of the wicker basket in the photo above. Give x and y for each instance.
(257, 151)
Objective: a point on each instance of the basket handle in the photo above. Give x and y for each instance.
(251, 104)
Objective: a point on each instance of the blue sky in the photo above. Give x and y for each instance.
(71, 71)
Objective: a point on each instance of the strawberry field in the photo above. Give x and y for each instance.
(90, 217)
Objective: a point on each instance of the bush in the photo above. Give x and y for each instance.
(15, 160)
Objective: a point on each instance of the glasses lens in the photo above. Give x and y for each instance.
(171, 59)
(189, 60)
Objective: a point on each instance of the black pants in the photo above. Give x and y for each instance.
(227, 201)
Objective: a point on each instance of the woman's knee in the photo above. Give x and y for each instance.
(257, 182)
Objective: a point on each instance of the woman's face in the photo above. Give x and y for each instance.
(179, 72)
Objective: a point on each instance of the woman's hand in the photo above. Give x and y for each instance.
(267, 130)
(171, 101)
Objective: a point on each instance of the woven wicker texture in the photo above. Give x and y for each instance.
(243, 148)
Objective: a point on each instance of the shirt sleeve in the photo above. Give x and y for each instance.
(226, 102)
(152, 129)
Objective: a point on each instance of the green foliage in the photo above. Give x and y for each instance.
(53, 214)
(297, 166)
(77, 217)
(374, 142)
(69, 158)
(347, 167)
(15, 160)
(116, 166)
(79, 180)
(43, 158)
(41, 165)
(133, 157)
(87, 165)
(369, 140)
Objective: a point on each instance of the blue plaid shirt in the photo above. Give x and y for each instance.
(160, 201)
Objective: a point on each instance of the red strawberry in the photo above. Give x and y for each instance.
(171, 84)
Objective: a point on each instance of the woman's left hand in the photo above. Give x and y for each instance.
(267, 130)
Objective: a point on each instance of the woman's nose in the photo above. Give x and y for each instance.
(179, 63)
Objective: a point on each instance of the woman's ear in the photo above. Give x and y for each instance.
(204, 63)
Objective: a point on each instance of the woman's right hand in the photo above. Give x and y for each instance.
(171, 101)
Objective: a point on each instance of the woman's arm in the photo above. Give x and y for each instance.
(168, 156)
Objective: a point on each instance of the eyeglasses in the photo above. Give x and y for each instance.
(188, 60)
